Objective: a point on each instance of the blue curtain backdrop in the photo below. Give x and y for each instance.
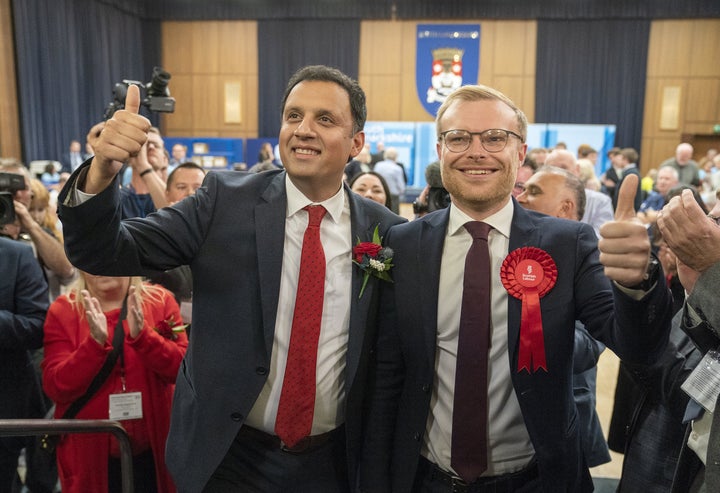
(284, 46)
(593, 72)
(70, 53)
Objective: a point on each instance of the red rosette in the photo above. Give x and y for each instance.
(528, 274)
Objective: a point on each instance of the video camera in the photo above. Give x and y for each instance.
(9, 184)
(157, 96)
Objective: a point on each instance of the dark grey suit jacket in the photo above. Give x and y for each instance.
(403, 383)
(231, 234)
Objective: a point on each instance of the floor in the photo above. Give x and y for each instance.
(607, 376)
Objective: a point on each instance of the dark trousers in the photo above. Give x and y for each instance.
(431, 479)
(144, 480)
(258, 466)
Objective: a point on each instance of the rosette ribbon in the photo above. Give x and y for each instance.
(528, 274)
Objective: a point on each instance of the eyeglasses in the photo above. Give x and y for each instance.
(715, 219)
(492, 140)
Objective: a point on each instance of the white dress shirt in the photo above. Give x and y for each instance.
(509, 447)
(336, 237)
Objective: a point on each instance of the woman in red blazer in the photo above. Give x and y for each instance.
(79, 332)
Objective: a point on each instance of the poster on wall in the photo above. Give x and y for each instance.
(448, 56)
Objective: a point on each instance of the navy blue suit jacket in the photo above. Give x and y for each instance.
(231, 234)
(403, 381)
(23, 305)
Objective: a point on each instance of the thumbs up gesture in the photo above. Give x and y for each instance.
(625, 246)
(122, 137)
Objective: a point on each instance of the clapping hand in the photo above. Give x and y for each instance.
(95, 317)
(135, 314)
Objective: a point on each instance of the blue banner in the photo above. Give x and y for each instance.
(399, 135)
(448, 56)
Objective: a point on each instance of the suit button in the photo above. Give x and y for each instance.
(417, 436)
(236, 417)
(261, 370)
(426, 388)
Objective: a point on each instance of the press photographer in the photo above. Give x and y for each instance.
(9, 184)
(156, 96)
(18, 224)
(434, 196)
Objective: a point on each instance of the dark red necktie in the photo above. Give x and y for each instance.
(297, 398)
(470, 416)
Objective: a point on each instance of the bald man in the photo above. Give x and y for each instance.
(555, 192)
(688, 170)
(598, 206)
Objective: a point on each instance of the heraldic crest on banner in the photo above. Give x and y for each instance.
(448, 56)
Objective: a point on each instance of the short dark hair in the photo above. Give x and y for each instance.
(324, 73)
(185, 165)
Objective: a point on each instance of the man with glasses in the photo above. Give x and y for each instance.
(472, 388)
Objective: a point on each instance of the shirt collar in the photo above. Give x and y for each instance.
(296, 201)
(500, 221)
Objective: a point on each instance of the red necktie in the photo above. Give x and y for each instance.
(297, 398)
(469, 421)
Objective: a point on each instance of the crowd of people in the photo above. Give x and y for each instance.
(337, 346)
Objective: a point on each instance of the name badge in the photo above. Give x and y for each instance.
(126, 406)
(703, 384)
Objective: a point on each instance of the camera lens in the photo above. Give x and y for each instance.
(158, 84)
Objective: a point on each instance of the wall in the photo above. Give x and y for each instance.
(9, 120)
(387, 66)
(202, 57)
(684, 54)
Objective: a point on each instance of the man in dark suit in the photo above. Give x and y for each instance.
(695, 239)
(23, 304)
(74, 157)
(532, 443)
(242, 235)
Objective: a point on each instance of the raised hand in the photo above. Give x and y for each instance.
(625, 246)
(95, 317)
(121, 138)
(135, 315)
(693, 237)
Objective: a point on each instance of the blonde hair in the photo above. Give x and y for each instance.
(41, 200)
(148, 292)
(481, 93)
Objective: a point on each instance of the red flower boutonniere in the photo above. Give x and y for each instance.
(373, 259)
(169, 328)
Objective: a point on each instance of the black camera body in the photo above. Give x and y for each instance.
(154, 95)
(9, 184)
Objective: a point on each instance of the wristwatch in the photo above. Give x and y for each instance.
(651, 275)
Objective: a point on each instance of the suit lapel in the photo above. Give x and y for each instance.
(270, 237)
(361, 228)
(428, 261)
(523, 232)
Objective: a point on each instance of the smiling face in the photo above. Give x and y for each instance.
(316, 137)
(370, 187)
(480, 182)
